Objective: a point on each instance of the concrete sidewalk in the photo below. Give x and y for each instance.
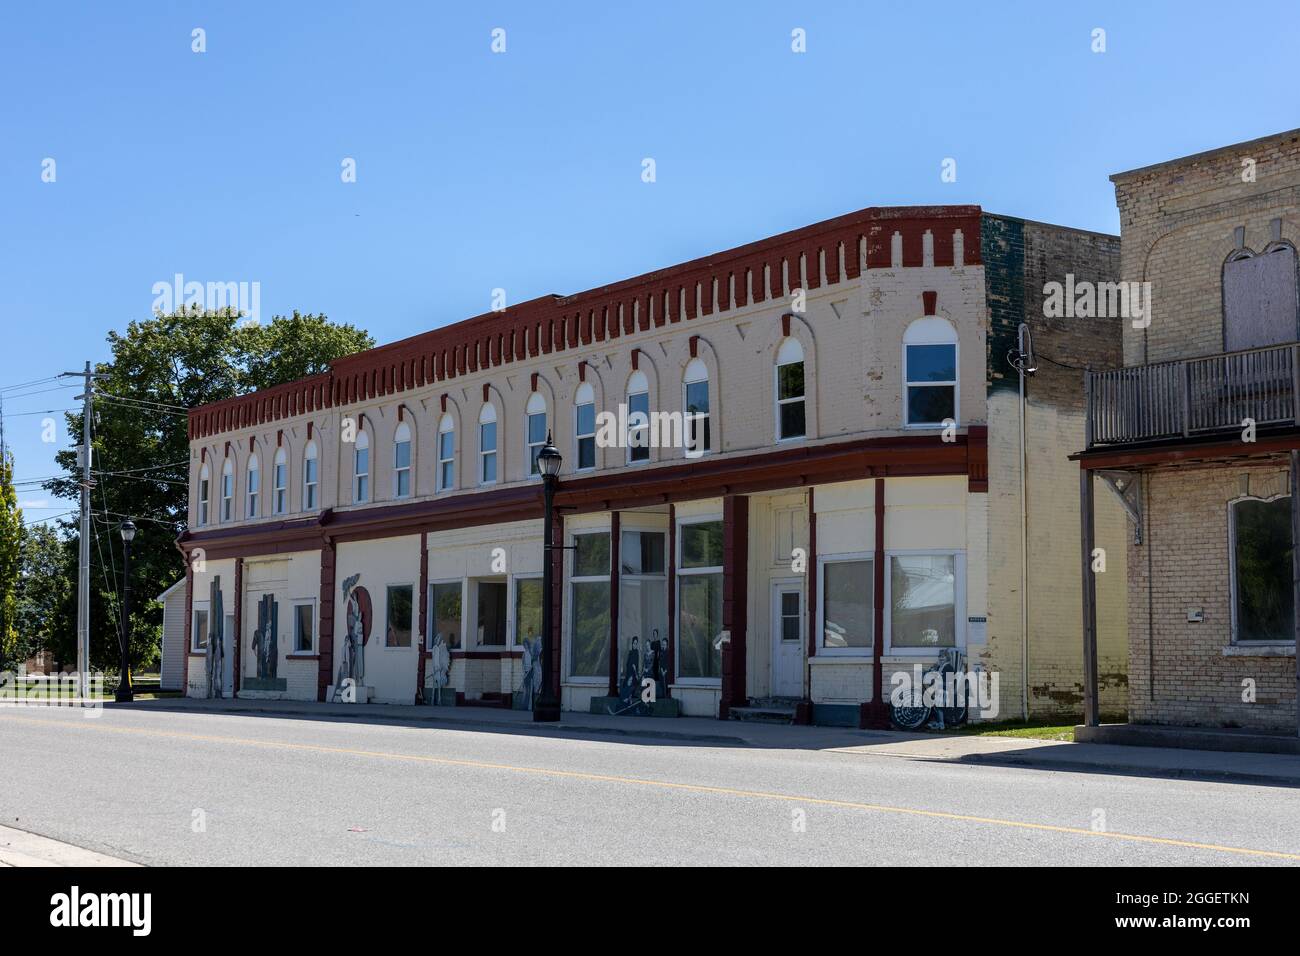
(1061, 756)
(20, 848)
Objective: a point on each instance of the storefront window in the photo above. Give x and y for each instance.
(492, 613)
(1263, 600)
(699, 601)
(848, 601)
(528, 610)
(923, 600)
(445, 601)
(398, 633)
(589, 606)
(643, 602)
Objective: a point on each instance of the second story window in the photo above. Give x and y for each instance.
(402, 461)
(446, 453)
(695, 402)
(791, 413)
(254, 480)
(487, 445)
(930, 372)
(280, 482)
(205, 495)
(584, 412)
(535, 434)
(310, 478)
(638, 418)
(227, 491)
(361, 469)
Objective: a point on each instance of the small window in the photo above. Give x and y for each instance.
(281, 480)
(446, 454)
(922, 600)
(227, 491)
(304, 628)
(930, 363)
(253, 483)
(638, 418)
(398, 630)
(205, 493)
(487, 445)
(310, 477)
(361, 469)
(402, 461)
(199, 636)
(536, 431)
(695, 401)
(585, 426)
(791, 412)
(1263, 602)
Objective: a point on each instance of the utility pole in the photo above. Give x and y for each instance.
(83, 564)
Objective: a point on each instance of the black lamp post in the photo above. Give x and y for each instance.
(124, 693)
(545, 705)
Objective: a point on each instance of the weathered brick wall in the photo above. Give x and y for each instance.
(1020, 258)
(1178, 221)
(1189, 673)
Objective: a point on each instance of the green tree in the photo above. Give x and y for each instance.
(160, 367)
(11, 547)
(45, 586)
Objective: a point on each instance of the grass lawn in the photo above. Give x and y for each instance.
(1035, 730)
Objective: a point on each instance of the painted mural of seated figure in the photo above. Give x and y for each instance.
(629, 686)
(439, 667)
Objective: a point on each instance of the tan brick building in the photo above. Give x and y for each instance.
(861, 456)
(1200, 429)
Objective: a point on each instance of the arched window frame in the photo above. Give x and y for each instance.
(252, 483)
(584, 428)
(535, 431)
(403, 461)
(789, 353)
(447, 453)
(931, 331)
(280, 482)
(361, 468)
(227, 491)
(638, 418)
(698, 433)
(489, 442)
(310, 477)
(205, 495)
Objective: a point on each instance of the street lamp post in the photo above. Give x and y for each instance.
(124, 693)
(545, 705)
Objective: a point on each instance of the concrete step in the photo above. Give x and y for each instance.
(763, 714)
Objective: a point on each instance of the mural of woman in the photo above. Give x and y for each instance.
(439, 667)
(532, 680)
(353, 666)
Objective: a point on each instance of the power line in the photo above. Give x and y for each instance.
(109, 397)
(37, 381)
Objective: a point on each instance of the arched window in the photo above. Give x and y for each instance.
(930, 373)
(535, 430)
(280, 482)
(205, 494)
(402, 461)
(1259, 297)
(791, 412)
(584, 411)
(361, 469)
(638, 418)
(446, 453)
(487, 445)
(254, 481)
(1263, 603)
(310, 477)
(227, 491)
(695, 402)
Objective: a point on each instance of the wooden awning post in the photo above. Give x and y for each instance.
(1088, 533)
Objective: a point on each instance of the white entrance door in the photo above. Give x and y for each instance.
(787, 638)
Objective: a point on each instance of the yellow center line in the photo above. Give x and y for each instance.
(664, 785)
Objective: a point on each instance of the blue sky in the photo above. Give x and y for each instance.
(522, 170)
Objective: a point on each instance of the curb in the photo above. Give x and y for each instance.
(1131, 770)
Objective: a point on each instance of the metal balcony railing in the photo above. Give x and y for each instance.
(1193, 397)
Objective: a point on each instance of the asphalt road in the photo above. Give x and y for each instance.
(227, 789)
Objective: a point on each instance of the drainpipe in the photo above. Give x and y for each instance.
(1022, 359)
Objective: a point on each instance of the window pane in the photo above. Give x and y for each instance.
(492, 613)
(536, 428)
(590, 644)
(929, 404)
(792, 420)
(932, 363)
(399, 617)
(847, 609)
(446, 613)
(642, 552)
(586, 452)
(490, 467)
(700, 621)
(528, 609)
(789, 380)
(642, 629)
(310, 470)
(1262, 568)
(922, 590)
(586, 419)
(702, 545)
(446, 442)
(697, 397)
(402, 454)
(533, 452)
(446, 474)
(302, 627)
(363, 463)
(403, 483)
(592, 554)
(200, 635)
(487, 437)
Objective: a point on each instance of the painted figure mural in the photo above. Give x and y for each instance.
(352, 669)
(266, 638)
(216, 650)
(532, 679)
(439, 665)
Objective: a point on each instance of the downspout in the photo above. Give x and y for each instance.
(1022, 359)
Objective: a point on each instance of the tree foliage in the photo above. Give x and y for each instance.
(11, 545)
